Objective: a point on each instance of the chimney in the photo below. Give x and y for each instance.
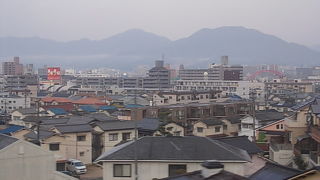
(211, 168)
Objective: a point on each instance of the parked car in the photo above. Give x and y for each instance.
(76, 166)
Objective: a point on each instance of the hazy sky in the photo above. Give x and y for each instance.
(292, 20)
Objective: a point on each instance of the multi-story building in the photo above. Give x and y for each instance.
(19, 81)
(282, 88)
(221, 71)
(10, 102)
(158, 77)
(184, 97)
(12, 68)
(240, 88)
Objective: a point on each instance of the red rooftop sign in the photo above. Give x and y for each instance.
(54, 73)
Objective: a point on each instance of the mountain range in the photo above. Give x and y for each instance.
(135, 47)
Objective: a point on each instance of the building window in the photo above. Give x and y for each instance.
(217, 129)
(81, 138)
(225, 127)
(278, 126)
(281, 126)
(200, 129)
(54, 147)
(125, 136)
(170, 97)
(176, 169)
(81, 153)
(113, 137)
(122, 170)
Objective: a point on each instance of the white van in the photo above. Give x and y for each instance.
(76, 166)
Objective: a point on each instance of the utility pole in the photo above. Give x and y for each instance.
(253, 93)
(38, 122)
(136, 177)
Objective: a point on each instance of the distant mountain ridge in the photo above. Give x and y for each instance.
(244, 46)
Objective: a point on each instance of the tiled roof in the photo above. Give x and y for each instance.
(58, 111)
(176, 148)
(73, 128)
(145, 124)
(88, 108)
(11, 129)
(273, 171)
(57, 99)
(43, 135)
(6, 140)
(213, 122)
(241, 142)
(90, 101)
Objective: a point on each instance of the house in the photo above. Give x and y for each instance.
(272, 132)
(211, 170)
(23, 160)
(262, 118)
(170, 128)
(110, 134)
(161, 157)
(66, 141)
(209, 127)
(232, 124)
(274, 171)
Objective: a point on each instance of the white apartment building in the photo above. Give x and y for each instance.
(9, 102)
(240, 88)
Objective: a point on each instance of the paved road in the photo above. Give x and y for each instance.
(93, 173)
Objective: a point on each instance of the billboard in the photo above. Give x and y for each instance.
(54, 73)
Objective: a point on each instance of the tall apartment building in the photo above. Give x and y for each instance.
(158, 77)
(12, 68)
(19, 81)
(221, 71)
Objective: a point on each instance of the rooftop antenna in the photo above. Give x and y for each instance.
(162, 56)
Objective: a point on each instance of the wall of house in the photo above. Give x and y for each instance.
(174, 128)
(110, 144)
(232, 129)
(207, 130)
(279, 126)
(150, 170)
(26, 161)
(70, 148)
(282, 156)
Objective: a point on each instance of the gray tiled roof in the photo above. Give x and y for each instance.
(191, 148)
(213, 122)
(28, 111)
(43, 134)
(274, 172)
(241, 142)
(316, 109)
(74, 128)
(146, 124)
(6, 140)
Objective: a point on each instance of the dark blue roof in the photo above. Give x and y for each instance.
(133, 106)
(108, 108)
(58, 111)
(11, 129)
(88, 108)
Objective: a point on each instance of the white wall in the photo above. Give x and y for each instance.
(150, 170)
